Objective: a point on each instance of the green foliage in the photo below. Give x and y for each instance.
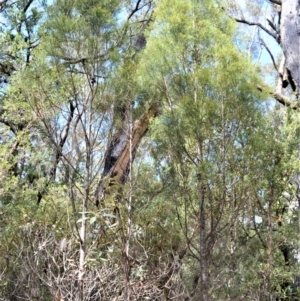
(206, 189)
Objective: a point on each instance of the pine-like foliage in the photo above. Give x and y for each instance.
(137, 159)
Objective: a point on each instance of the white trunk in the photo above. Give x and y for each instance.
(290, 37)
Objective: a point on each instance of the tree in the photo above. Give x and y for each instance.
(208, 123)
(281, 24)
(128, 138)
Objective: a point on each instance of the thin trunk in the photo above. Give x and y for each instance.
(203, 245)
(203, 254)
(82, 250)
(87, 183)
(129, 212)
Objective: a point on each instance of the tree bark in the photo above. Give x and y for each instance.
(117, 157)
(290, 40)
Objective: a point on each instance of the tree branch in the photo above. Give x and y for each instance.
(2, 3)
(276, 2)
(270, 53)
(135, 9)
(59, 146)
(62, 140)
(275, 36)
(287, 102)
(27, 5)
(271, 24)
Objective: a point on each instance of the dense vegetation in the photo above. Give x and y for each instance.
(142, 155)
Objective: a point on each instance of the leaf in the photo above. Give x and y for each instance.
(93, 220)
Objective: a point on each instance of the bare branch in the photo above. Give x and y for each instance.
(138, 7)
(272, 25)
(135, 9)
(270, 53)
(275, 36)
(62, 139)
(27, 5)
(276, 2)
(59, 146)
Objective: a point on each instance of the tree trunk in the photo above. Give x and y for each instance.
(203, 246)
(117, 157)
(290, 39)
